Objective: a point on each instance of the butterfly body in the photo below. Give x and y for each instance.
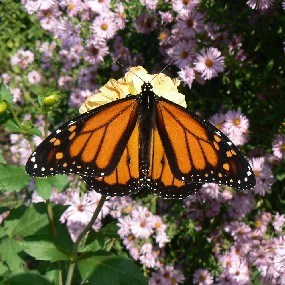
(138, 141)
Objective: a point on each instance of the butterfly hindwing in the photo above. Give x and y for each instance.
(197, 151)
(90, 144)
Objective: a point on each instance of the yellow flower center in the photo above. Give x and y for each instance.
(258, 224)
(70, 6)
(190, 23)
(256, 173)
(202, 278)
(104, 27)
(208, 62)
(162, 36)
(283, 148)
(184, 54)
(236, 122)
(185, 2)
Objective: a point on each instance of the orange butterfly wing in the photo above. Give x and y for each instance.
(90, 144)
(197, 151)
(124, 180)
(161, 180)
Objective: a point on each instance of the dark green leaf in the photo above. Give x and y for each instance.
(95, 241)
(27, 221)
(12, 126)
(105, 269)
(13, 178)
(26, 278)
(10, 250)
(4, 270)
(43, 248)
(5, 93)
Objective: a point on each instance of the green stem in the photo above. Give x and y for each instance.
(15, 118)
(80, 237)
(51, 218)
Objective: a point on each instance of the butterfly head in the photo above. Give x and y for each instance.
(146, 87)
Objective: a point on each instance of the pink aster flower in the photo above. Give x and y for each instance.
(190, 23)
(278, 222)
(22, 58)
(68, 33)
(34, 77)
(218, 120)
(209, 62)
(77, 97)
(36, 5)
(236, 127)
(263, 174)
(146, 22)
(179, 5)
(278, 146)
(150, 4)
(166, 275)
(183, 53)
(95, 53)
(166, 17)
(98, 6)
(239, 272)
(142, 227)
(187, 76)
(259, 4)
(80, 210)
(104, 26)
(202, 277)
(124, 224)
(5, 77)
(120, 16)
(73, 7)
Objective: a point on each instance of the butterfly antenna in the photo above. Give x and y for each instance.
(130, 71)
(163, 68)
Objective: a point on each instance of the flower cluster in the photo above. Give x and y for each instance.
(233, 124)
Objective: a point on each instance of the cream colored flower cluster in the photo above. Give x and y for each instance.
(131, 85)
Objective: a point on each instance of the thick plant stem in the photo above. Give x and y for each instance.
(80, 237)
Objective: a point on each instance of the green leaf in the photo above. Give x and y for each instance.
(26, 278)
(4, 270)
(12, 126)
(5, 93)
(13, 178)
(94, 242)
(10, 250)
(43, 187)
(44, 184)
(27, 221)
(106, 269)
(34, 132)
(52, 276)
(59, 182)
(2, 160)
(43, 248)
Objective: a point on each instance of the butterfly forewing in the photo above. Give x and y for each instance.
(124, 180)
(197, 151)
(90, 144)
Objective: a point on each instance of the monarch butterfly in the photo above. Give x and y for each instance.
(145, 140)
